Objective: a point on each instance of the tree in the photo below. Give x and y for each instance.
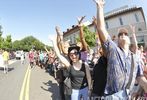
(1, 38)
(7, 43)
(89, 36)
(28, 43)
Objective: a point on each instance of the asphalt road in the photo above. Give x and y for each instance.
(39, 84)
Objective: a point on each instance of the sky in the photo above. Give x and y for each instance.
(21, 18)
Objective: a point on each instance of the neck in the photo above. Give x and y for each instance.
(76, 63)
(125, 48)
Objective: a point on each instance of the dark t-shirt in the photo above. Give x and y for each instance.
(100, 76)
(78, 77)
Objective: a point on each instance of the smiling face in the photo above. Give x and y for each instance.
(74, 55)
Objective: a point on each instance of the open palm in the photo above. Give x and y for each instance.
(100, 3)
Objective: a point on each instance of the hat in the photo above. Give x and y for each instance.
(73, 47)
(122, 30)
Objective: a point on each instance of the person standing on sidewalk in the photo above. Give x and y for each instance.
(5, 55)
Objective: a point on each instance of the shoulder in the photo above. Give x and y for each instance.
(85, 64)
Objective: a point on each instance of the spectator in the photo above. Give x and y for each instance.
(5, 55)
(78, 72)
(120, 76)
(31, 58)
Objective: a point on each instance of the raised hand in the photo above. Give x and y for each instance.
(80, 19)
(99, 3)
(94, 20)
(132, 28)
(58, 30)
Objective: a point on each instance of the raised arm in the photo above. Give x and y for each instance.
(134, 37)
(46, 49)
(62, 59)
(82, 38)
(98, 38)
(59, 38)
(100, 20)
(60, 42)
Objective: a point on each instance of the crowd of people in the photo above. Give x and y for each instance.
(117, 70)
(119, 66)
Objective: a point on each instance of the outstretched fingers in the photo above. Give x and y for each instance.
(80, 19)
(100, 3)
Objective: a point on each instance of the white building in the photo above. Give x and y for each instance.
(116, 19)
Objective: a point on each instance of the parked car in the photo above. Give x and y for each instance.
(18, 54)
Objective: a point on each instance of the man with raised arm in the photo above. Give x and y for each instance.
(120, 73)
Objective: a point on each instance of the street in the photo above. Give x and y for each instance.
(23, 83)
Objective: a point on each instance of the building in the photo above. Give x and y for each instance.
(121, 17)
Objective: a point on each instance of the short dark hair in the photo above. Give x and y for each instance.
(72, 48)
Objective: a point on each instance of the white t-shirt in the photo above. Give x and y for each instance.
(1, 61)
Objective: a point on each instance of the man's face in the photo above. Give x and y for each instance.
(124, 39)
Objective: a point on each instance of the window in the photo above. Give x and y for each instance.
(139, 29)
(71, 39)
(74, 38)
(140, 39)
(107, 26)
(120, 20)
(136, 18)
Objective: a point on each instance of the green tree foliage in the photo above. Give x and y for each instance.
(90, 37)
(1, 38)
(7, 43)
(28, 43)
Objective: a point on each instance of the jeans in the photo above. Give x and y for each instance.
(121, 95)
(78, 94)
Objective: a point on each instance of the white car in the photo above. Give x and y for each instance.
(18, 54)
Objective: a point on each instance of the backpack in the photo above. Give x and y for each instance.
(100, 76)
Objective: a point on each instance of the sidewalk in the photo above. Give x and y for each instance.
(12, 61)
(43, 86)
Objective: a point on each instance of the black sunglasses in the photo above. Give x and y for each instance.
(120, 34)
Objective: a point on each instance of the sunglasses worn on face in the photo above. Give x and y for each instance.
(120, 34)
(75, 53)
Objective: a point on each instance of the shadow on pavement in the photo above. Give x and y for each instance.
(9, 69)
(53, 88)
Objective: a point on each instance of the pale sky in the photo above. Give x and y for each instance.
(21, 18)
